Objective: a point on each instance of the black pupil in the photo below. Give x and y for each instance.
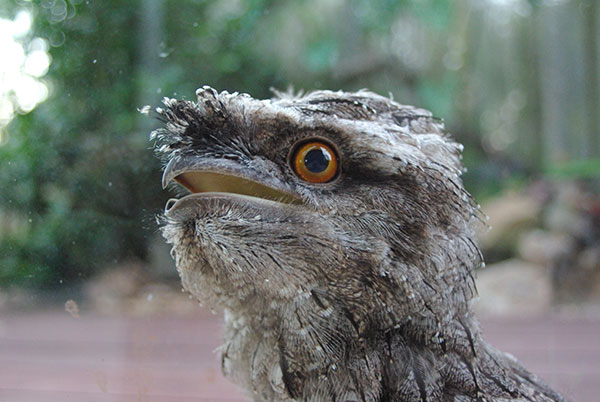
(317, 160)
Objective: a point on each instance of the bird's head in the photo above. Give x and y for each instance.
(339, 209)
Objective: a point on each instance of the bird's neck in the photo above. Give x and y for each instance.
(399, 363)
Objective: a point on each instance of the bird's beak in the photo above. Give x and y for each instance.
(222, 177)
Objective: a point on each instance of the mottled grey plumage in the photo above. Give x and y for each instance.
(355, 290)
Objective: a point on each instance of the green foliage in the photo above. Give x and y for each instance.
(79, 183)
(580, 169)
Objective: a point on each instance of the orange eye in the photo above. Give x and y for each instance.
(315, 162)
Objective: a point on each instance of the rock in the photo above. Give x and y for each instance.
(564, 212)
(508, 215)
(107, 291)
(162, 299)
(513, 287)
(130, 289)
(542, 247)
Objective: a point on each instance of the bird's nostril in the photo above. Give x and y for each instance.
(170, 204)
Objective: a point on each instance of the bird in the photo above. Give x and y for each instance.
(334, 231)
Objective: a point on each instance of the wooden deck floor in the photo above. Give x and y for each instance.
(54, 357)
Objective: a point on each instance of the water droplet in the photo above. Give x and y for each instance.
(57, 39)
(165, 53)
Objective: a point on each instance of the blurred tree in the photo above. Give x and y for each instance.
(75, 175)
(592, 71)
(80, 186)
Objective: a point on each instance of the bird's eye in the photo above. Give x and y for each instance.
(315, 161)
